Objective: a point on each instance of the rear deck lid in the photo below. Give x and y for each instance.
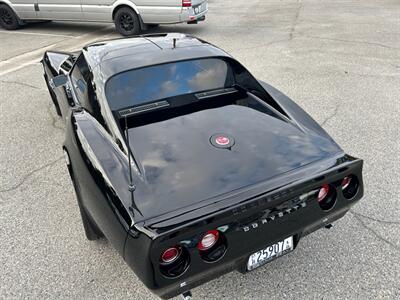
(198, 157)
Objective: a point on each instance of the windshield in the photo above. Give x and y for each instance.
(148, 84)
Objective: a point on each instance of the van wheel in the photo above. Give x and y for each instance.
(127, 21)
(8, 19)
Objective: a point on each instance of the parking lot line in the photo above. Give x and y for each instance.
(36, 33)
(23, 60)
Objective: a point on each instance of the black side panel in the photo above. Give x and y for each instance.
(98, 198)
(137, 256)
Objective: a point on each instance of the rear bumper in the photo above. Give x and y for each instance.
(189, 14)
(228, 264)
(173, 14)
(251, 226)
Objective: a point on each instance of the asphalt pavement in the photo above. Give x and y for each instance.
(340, 60)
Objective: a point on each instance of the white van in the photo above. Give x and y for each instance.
(129, 16)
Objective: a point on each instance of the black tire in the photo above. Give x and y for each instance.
(92, 231)
(8, 19)
(127, 21)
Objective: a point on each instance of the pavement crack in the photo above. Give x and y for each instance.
(21, 83)
(291, 32)
(331, 116)
(376, 234)
(27, 176)
(295, 20)
(375, 219)
(262, 45)
(350, 41)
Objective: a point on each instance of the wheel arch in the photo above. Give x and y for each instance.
(67, 160)
(10, 5)
(123, 3)
(7, 2)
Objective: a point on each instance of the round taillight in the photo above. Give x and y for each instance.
(326, 197)
(170, 255)
(346, 182)
(208, 240)
(323, 192)
(174, 261)
(350, 186)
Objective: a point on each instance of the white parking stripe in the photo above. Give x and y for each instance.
(71, 44)
(36, 33)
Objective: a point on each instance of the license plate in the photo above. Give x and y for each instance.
(263, 256)
(200, 8)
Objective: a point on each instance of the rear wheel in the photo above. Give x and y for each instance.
(127, 21)
(91, 230)
(8, 19)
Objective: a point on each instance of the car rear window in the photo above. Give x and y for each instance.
(152, 83)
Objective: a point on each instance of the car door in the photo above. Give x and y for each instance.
(61, 10)
(24, 8)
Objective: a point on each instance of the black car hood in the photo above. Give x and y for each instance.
(181, 167)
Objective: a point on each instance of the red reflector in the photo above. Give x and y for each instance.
(170, 255)
(346, 182)
(186, 3)
(208, 240)
(323, 192)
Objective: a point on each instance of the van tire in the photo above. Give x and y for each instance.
(127, 21)
(8, 19)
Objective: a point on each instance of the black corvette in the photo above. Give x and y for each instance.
(187, 164)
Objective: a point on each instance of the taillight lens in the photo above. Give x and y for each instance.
(323, 192)
(346, 182)
(186, 3)
(326, 197)
(350, 186)
(170, 255)
(174, 261)
(208, 240)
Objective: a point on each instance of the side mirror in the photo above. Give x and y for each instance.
(58, 81)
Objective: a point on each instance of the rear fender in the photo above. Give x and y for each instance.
(295, 112)
(100, 169)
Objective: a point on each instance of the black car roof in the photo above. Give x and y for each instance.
(118, 55)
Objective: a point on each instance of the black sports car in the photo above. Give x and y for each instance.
(187, 164)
